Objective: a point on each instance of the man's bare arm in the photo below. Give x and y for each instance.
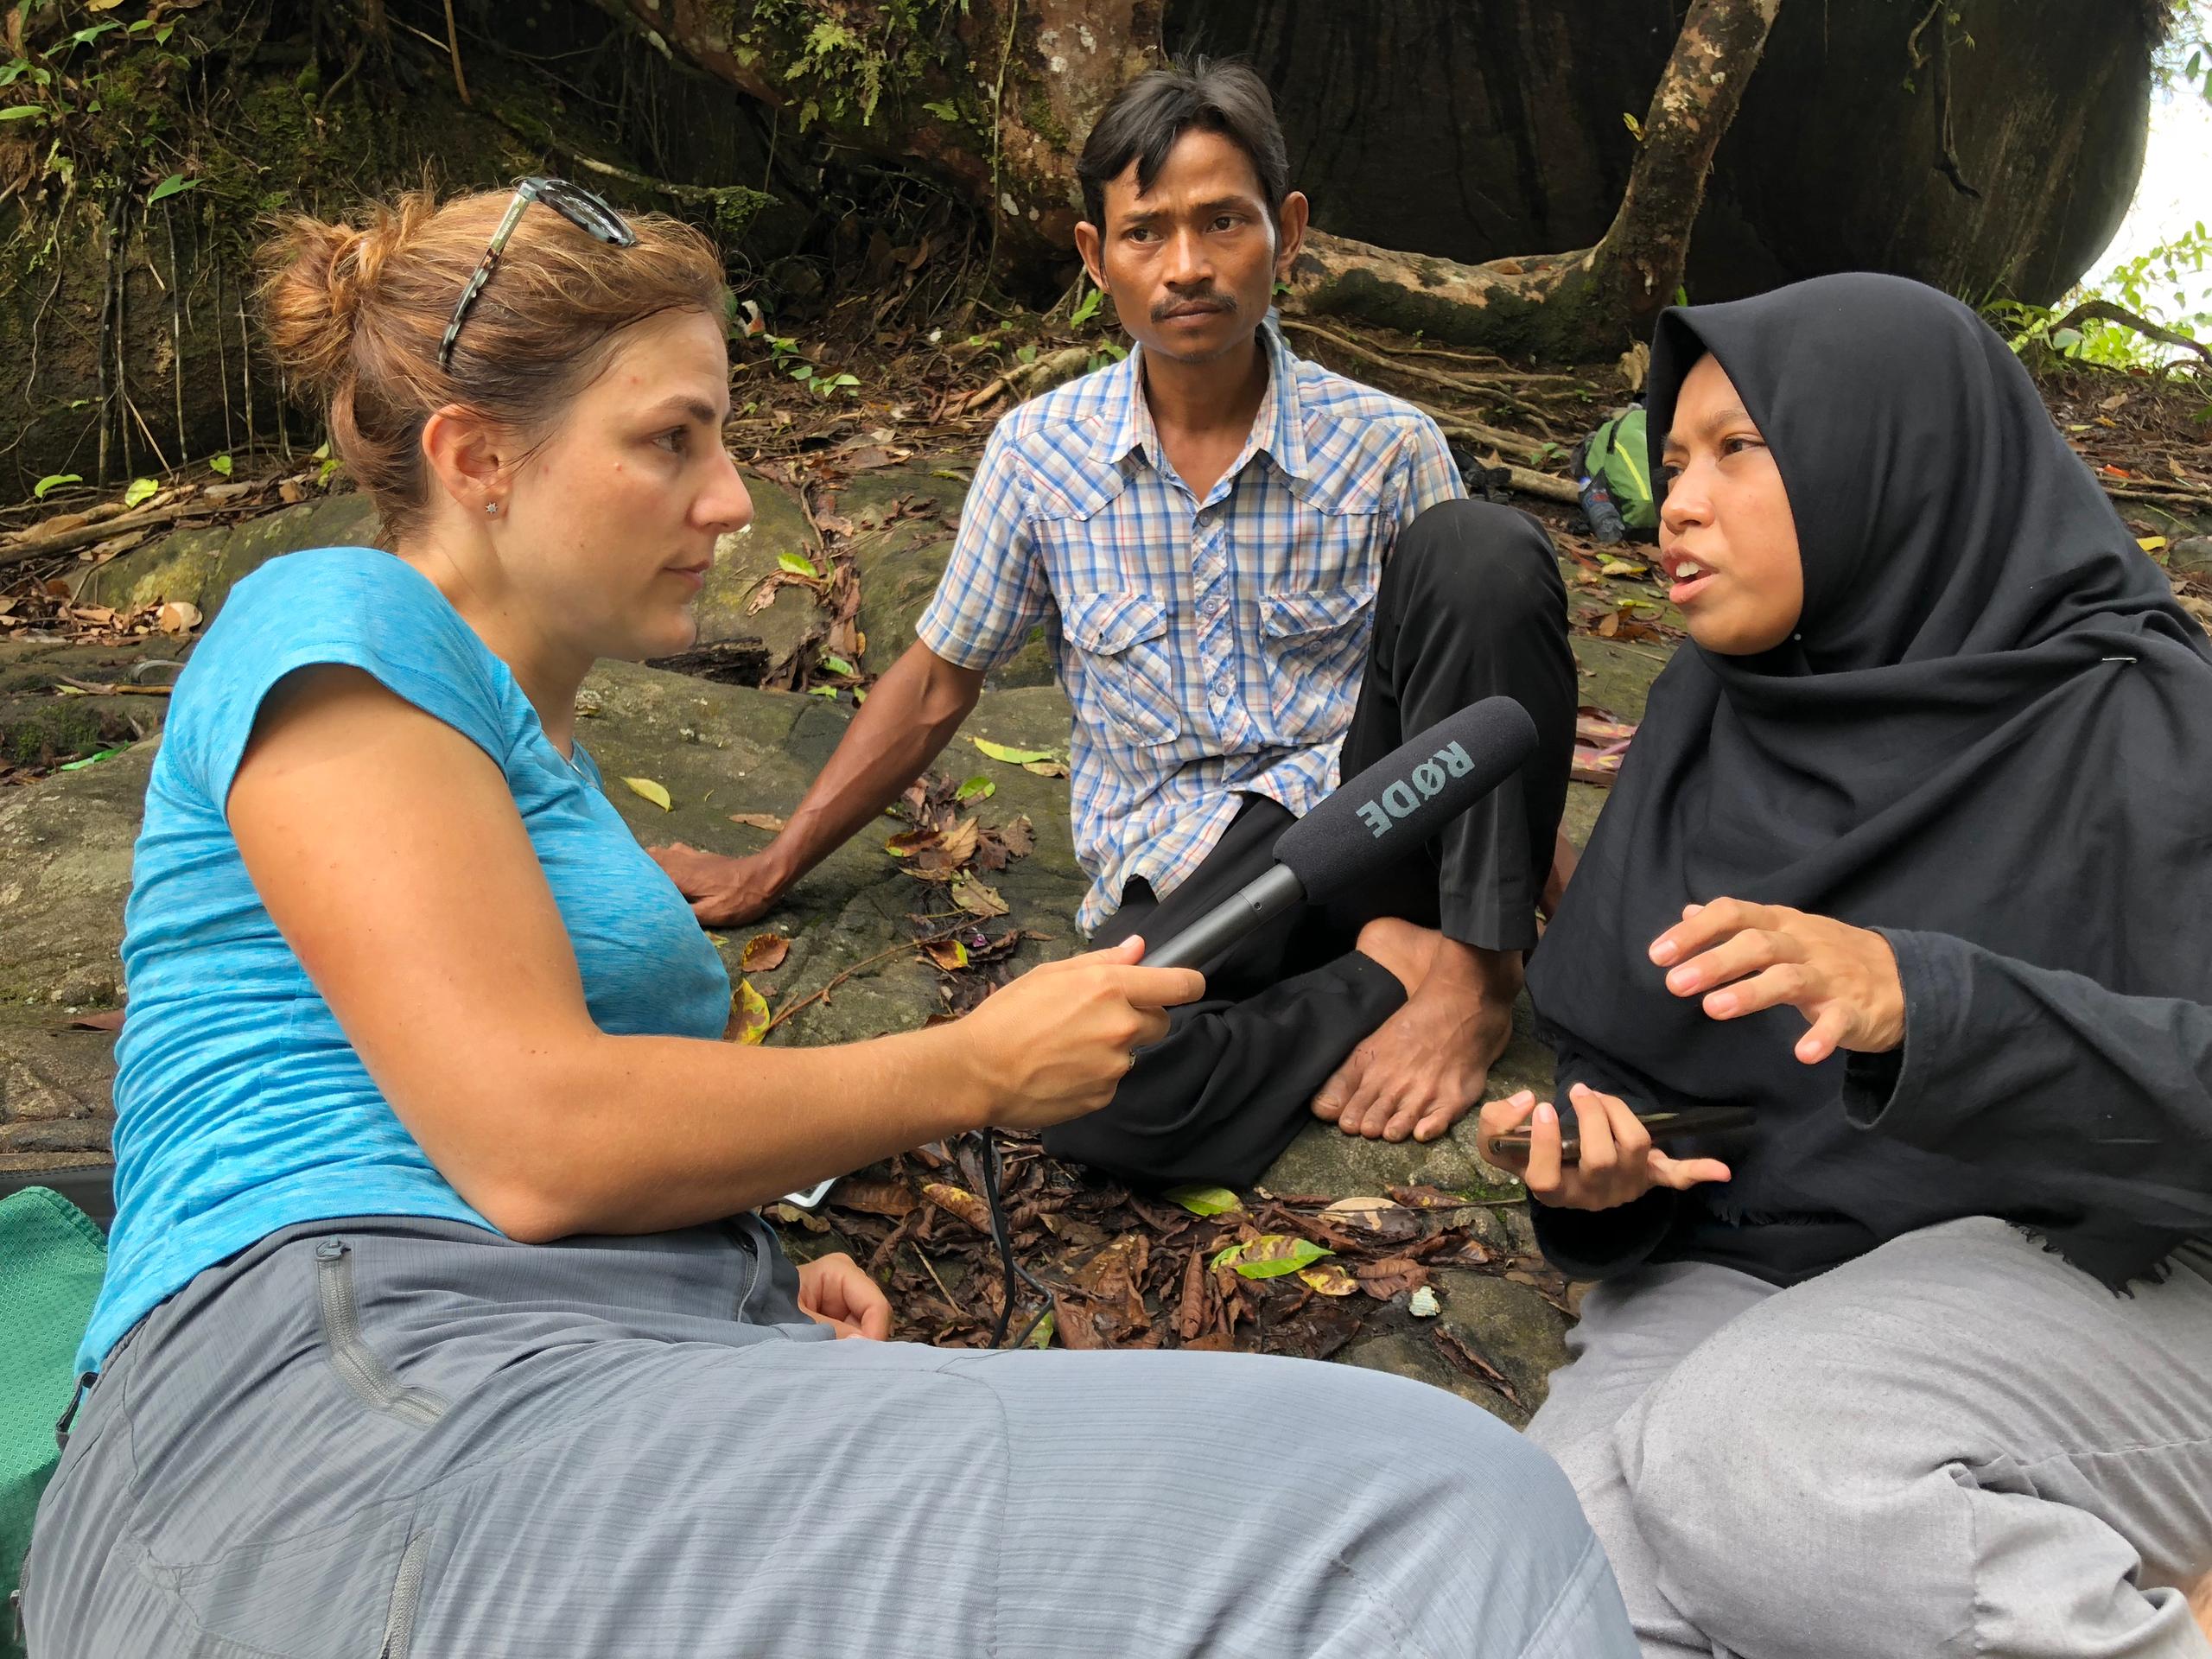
(910, 716)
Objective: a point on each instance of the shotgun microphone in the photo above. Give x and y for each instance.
(1393, 807)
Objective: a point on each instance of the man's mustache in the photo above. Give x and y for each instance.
(1208, 297)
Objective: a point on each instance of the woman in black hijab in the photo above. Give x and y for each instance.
(1913, 856)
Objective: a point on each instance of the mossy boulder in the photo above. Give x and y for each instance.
(200, 566)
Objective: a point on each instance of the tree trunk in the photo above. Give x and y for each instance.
(995, 96)
(1588, 304)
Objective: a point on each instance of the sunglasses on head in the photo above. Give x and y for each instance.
(573, 202)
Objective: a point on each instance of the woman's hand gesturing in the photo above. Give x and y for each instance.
(1743, 958)
(1618, 1164)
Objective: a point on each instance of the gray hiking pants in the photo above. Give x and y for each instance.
(404, 1437)
(1956, 1444)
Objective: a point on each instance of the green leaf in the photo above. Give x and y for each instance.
(943, 110)
(821, 691)
(978, 788)
(839, 665)
(86, 36)
(21, 112)
(54, 481)
(798, 565)
(1086, 309)
(169, 186)
(1010, 756)
(2066, 340)
(1270, 1255)
(220, 464)
(845, 380)
(1206, 1201)
(1045, 1327)
(79, 765)
(140, 489)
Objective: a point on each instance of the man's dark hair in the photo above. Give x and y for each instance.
(1148, 115)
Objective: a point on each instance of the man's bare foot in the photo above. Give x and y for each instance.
(1426, 1065)
(1407, 949)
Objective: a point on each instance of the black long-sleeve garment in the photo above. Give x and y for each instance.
(2082, 1112)
(1989, 739)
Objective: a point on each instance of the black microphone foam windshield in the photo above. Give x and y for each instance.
(1407, 797)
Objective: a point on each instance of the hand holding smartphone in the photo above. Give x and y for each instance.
(1669, 1130)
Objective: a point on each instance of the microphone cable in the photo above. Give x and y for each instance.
(1011, 1270)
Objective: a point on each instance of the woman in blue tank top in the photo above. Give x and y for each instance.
(436, 1319)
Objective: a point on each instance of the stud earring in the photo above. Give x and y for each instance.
(492, 507)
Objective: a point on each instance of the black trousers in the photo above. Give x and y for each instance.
(1471, 606)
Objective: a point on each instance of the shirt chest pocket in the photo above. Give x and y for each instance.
(1122, 667)
(1314, 644)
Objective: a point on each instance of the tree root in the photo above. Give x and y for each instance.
(1487, 390)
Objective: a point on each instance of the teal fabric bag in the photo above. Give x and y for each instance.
(52, 1256)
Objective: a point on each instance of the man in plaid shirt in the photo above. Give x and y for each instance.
(1256, 576)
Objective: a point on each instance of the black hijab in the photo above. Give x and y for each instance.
(1993, 721)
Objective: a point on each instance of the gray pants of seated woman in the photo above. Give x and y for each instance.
(413, 1437)
(1955, 1444)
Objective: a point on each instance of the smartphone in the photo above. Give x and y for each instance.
(807, 1198)
(1666, 1127)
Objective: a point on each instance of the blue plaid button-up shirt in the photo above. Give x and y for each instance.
(1211, 648)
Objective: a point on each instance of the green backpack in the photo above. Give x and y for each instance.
(1614, 456)
(52, 1257)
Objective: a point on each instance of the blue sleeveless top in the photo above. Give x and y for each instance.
(240, 1106)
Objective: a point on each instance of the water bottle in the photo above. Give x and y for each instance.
(1598, 507)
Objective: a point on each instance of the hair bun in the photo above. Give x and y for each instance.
(318, 278)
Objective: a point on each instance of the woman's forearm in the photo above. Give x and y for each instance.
(633, 1134)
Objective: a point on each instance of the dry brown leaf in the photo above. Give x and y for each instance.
(1112, 1277)
(950, 955)
(977, 899)
(1378, 1217)
(764, 953)
(1195, 1312)
(1457, 1348)
(958, 844)
(1076, 1325)
(894, 1199)
(1327, 1278)
(1385, 1279)
(768, 821)
(1428, 1197)
(959, 1201)
(106, 1019)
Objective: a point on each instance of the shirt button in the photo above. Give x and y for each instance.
(1206, 518)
